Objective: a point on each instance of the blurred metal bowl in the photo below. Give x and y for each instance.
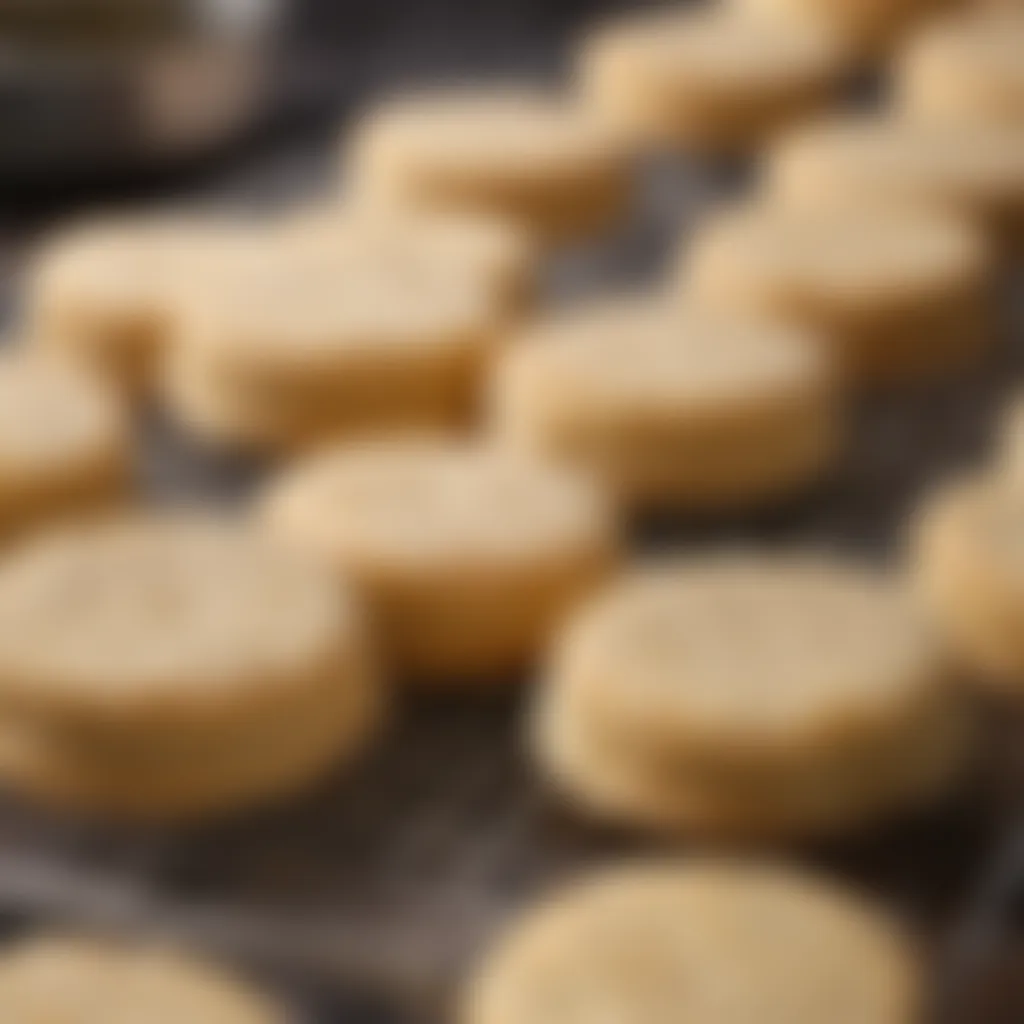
(138, 82)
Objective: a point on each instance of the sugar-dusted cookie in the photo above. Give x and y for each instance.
(975, 169)
(966, 68)
(704, 942)
(709, 81)
(750, 695)
(668, 406)
(75, 980)
(304, 344)
(896, 294)
(469, 558)
(969, 547)
(64, 442)
(175, 666)
(534, 158)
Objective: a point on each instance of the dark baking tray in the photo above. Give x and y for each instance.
(366, 900)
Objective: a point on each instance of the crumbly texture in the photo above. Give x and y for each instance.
(974, 169)
(966, 68)
(307, 344)
(537, 160)
(64, 443)
(469, 558)
(668, 407)
(708, 81)
(704, 942)
(968, 546)
(895, 294)
(73, 980)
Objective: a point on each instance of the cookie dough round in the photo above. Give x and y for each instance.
(175, 666)
(969, 558)
(533, 158)
(751, 696)
(704, 942)
(65, 446)
(303, 345)
(669, 407)
(708, 81)
(896, 295)
(967, 68)
(75, 980)
(974, 169)
(469, 558)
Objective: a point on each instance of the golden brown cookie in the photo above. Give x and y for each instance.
(470, 559)
(708, 80)
(704, 942)
(670, 407)
(896, 295)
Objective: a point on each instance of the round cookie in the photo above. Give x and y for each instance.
(670, 407)
(704, 942)
(74, 980)
(469, 558)
(967, 68)
(517, 153)
(968, 544)
(973, 169)
(64, 443)
(175, 666)
(302, 345)
(472, 245)
(708, 81)
(895, 294)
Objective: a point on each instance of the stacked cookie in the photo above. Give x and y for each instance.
(174, 667)
(750, 695)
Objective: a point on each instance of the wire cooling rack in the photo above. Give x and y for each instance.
(366, 900)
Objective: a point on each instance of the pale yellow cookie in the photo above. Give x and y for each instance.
(303, 345)
(967, 68)
(975, 169)
(708, 80)
(175, 666)
(534, 158)
(469, 558)
(969, 548)
(75, 980)
(670, 407)
(704, 942)
(895, 295)
(64, 442)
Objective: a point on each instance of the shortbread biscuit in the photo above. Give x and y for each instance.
(76, 980)
(967, 68)
(670, 407)
(895, 294)
(64, 442)
(706, 942)
(869, 27)
(974, 169)
(536, 159)
(473, 245)
(470, 559)
(967, 543)
(297, 347)
(713, 81)
(175, 666)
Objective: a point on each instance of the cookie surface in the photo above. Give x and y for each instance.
(717, 81)
(670, 407)
(707, 943)
(64, 442)
(895, 294)
(516, 153)
(81, 981)
(469, 558)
